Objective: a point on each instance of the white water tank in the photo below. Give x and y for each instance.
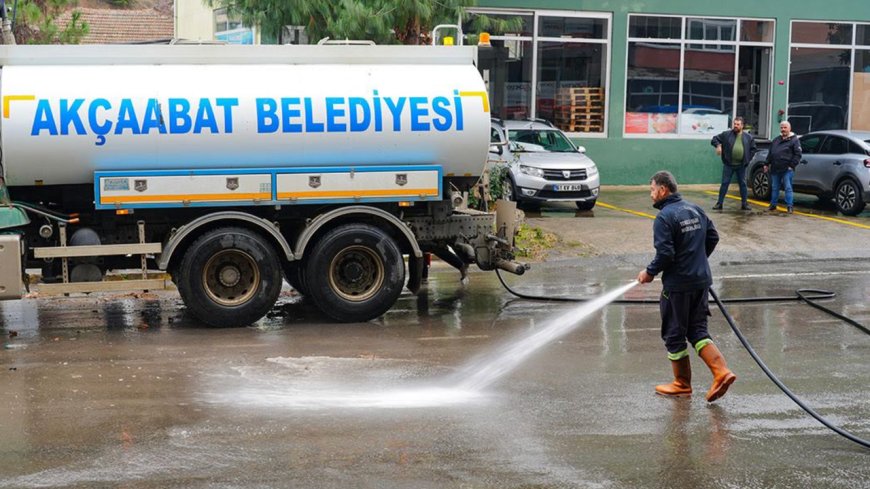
(71, 110)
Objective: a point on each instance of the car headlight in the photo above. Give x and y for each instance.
(593, 170)
(530, 170)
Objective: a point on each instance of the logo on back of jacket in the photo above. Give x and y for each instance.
(691, 224)
(102, 118)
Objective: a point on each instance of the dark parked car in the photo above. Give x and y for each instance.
(835, 165)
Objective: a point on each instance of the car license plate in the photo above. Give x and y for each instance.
(568, 188)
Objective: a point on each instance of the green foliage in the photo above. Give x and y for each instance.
(382, 21)
(533, 243)
(121, 3)
(497, 174)
(493, 25)
(35, 23)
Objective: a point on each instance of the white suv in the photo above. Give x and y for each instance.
(545, 166)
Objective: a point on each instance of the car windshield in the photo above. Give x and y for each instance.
(533, 139)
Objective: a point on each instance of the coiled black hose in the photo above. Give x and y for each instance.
(800, 295)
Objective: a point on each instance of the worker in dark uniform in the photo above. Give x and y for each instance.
(684, 237)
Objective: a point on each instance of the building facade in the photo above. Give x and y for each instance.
(644, 85)
(197, 21)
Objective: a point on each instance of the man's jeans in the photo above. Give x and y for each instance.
(780, 180)
(729, 171)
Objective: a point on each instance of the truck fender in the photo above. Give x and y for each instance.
(177, 237)
(317, 223)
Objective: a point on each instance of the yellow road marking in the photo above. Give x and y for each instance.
(636, 213)
(10, 98)
(782, 209)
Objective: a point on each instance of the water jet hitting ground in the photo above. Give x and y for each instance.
(318, 383)
(488, 369)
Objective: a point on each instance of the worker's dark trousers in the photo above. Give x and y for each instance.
(684, 317)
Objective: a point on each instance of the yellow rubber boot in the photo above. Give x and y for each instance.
(722, 377)
(682, 384)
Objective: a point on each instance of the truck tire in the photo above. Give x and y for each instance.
(294, 274)
(355, 273)
(229, 277)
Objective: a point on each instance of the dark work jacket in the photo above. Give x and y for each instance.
(784, 154)
(684, 237)
(727, 138)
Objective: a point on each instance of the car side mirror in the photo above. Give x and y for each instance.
(581, 149)
(497, 140)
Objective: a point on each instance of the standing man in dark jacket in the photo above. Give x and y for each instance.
(782, 159)
(737, 149)
(684, 237)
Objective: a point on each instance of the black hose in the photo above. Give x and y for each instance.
(800, 295)
(775, 380)
(837, 315)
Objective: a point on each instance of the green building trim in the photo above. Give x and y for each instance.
(626, 160)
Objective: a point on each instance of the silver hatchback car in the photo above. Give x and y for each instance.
(545, 166)
(835, 165)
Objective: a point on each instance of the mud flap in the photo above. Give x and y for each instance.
(415, 273)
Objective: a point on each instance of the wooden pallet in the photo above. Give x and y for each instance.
(580, 128)
(571, 112)
(580, 96)
(579, 109)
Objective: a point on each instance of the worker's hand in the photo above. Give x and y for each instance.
(719, 150)
(765, 168)
(644, 277)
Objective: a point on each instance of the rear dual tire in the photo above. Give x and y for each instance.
(229, 277)
(355, 273)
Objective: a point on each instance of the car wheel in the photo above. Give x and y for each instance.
(509, 192)
(848, 198)
(760, 185)
(585, 205)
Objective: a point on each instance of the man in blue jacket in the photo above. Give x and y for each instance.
(684, 237)
(737, 148)
(783, 157)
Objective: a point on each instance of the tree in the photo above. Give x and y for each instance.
(382, 21)
(36, 23)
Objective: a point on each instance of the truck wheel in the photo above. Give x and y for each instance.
(355, 272)
(760, 185)
(294, 274)
(229, 277)
(848, 198)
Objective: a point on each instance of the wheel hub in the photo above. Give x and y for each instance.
(356, 273)
(231, 277)
(353, 272)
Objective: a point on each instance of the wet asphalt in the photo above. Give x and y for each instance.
(127, 391)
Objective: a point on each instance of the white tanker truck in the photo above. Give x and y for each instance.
(232, 167)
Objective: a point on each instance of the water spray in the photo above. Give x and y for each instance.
(806, 295)
(486, 370)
